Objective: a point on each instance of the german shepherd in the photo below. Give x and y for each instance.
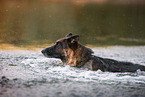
(72, 53)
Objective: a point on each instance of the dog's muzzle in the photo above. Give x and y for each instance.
(43, 51)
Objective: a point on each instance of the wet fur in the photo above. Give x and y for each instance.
(72, 53)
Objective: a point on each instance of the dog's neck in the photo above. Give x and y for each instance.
(77, 55)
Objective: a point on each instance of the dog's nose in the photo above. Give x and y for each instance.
(42, 51)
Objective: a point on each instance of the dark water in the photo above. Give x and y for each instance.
(25, 22)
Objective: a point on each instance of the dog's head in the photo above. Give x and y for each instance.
(58, 50)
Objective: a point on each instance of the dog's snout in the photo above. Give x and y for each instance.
(43, 51)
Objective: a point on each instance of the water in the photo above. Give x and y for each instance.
(28, 22)
(33, 75)
(26, 26)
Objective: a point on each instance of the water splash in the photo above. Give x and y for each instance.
(34, 73)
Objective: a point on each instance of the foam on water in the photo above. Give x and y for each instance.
(47, 67)
(33, 69)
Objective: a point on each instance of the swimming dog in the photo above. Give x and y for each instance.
(73, 53)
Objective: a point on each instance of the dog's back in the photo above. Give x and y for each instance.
(105, 64)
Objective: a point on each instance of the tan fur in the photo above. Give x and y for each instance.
(77, 57)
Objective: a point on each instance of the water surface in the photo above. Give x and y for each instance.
(31, 74)
(24, 22)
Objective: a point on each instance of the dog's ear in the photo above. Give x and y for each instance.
(74, 39)
(73, 42)
(69, 35)
(70, 41)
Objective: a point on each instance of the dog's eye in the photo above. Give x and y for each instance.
(58, 43)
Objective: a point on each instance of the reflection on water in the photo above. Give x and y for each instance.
(23, 22)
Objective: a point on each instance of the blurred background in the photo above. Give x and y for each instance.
(38, 23)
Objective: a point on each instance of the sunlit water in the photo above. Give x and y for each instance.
(33, 75)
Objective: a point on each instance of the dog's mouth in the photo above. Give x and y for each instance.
(45, 54)
(51, 55)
